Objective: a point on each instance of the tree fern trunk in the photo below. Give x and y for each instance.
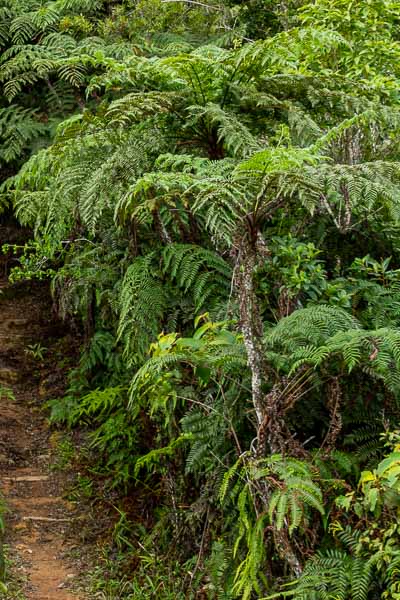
(250, 323)
(268, 407)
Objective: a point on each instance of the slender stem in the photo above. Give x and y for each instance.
(218, 8)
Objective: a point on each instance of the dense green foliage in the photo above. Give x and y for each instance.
(214, 191)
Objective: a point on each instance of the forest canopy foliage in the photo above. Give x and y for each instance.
(214, 193)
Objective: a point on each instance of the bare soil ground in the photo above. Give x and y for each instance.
(40, 523)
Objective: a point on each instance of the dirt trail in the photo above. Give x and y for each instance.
(39, 520)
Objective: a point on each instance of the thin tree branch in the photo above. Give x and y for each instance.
(194, 2)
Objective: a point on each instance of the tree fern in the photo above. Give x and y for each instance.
(199, 271)
(251, 188)
(140, 290)
(20, 128)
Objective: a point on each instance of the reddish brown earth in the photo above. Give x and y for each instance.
(40, 522)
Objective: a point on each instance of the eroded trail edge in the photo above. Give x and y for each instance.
(39, 520)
